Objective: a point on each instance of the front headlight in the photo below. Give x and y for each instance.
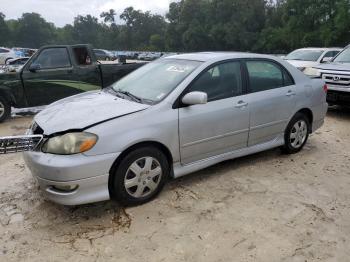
(69, 144)
(312, 72)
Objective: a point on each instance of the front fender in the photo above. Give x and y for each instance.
(117, 135)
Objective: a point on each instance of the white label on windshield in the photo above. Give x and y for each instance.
(179, 69)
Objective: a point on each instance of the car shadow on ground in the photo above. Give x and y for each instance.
(226, 167)
(341, 113)
(118, 216)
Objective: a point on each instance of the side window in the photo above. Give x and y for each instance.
(220, 82)
(82, 56)
(264, 75)
(53, 58)
(3, 50)
(288, 81)
(331, 54)
(328, 54)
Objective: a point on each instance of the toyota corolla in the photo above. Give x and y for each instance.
(170, 118)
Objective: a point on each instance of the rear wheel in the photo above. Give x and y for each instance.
(5, 109)
(140, 176)
(297, 134)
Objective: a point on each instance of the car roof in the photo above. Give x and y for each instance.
(208, 56)
(320, 48)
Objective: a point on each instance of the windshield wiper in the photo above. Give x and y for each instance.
(128, 94)
(122, 94)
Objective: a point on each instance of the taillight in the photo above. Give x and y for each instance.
(325, 88)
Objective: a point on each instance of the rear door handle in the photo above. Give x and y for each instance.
(290, 93)
(241, 104)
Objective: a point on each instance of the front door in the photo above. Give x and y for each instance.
(272, 100)
(221, 125)
(52, 79)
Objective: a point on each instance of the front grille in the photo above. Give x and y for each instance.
(337, 80)
(15, 144)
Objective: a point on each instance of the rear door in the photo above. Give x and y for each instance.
(221, 125)
(53, 78)
(272, 99)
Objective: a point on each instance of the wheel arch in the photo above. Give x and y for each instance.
(7, 95)
(155, 144)
(308, 113)
(7, 59)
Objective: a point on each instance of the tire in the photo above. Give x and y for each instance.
(5, 109)
(135, 182)
(296, 134)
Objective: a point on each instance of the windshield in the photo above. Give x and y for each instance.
(305, 55)
(343, 57)
(156, 80)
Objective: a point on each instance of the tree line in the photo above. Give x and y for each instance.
(270, 26)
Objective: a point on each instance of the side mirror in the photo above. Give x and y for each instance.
(326, 59)
(34, 67)
(195, 98)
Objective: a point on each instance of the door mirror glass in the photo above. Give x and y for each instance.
(34, 67)
(195, 98)
(326, 59)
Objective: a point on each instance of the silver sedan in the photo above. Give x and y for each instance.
(169, 118)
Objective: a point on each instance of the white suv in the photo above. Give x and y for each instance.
(6, 54)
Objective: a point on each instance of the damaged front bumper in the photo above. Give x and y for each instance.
(71, 179)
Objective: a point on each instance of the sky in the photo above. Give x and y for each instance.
(62, 12)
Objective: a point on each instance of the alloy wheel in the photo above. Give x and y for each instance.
(143, 177)
(298, 134)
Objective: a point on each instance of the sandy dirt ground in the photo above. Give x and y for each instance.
(266, 207)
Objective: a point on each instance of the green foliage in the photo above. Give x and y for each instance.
(31, 30)
(4, 30)
(273, 26)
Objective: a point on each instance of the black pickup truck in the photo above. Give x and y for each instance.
(56, 72)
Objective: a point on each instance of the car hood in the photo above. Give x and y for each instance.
(300, 64)
(334, 66)
(84, 110)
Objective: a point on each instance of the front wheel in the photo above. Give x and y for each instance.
(140, 176)
(5, 109)
(297, 134)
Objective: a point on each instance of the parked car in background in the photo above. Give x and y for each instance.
(104, 55)
(24, 52)
(14, 65)
(6, 54)
(337, 76)
(149, 56)
(308, 57)
(171, 117)
(56, 72)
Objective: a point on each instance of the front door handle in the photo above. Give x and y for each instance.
(290, 93)
(241, 104)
